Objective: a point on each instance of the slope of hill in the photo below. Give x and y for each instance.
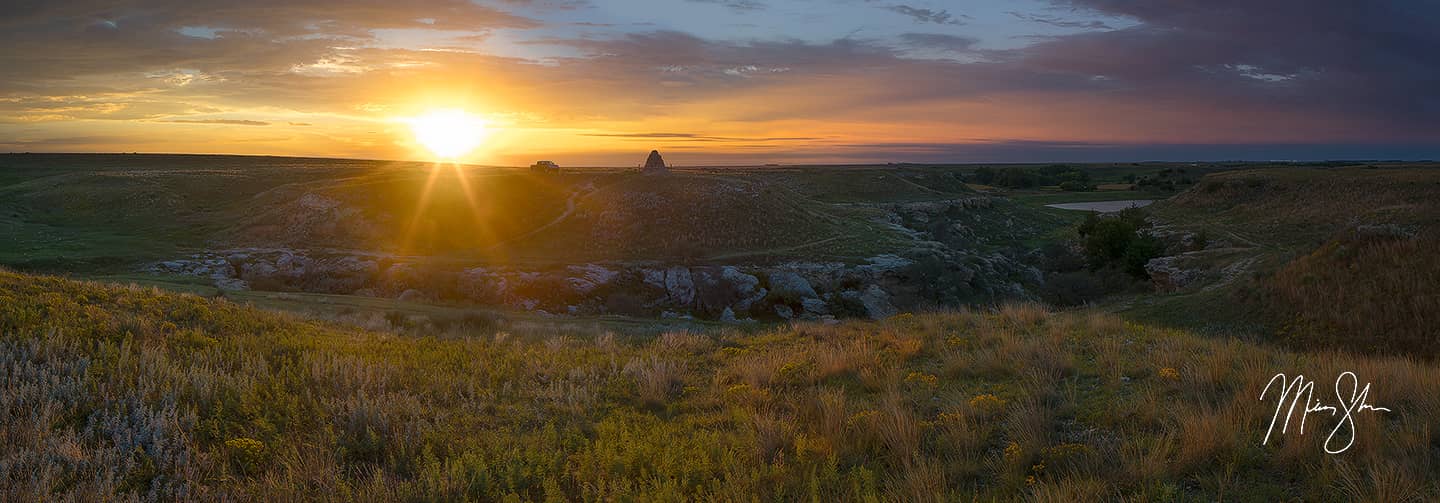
(127, 393)
(137, 208)
(483, 234)
(690, 216)
(1334, 256)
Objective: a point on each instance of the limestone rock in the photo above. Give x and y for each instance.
(728, 316)
(875, 301)
(742, 283)
(790, 286)
(784, 311)
(814, 307)
(679, 285)
(748, 303)
(586, 278)
(654, 164)
(653, 277)
(1169, 274)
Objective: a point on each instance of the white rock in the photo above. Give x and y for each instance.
(815, 307)
(784, 311)
(679, 285)
(788, 285)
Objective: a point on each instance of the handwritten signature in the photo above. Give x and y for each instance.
(1298, 388)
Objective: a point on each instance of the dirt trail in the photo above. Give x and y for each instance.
(569, 209)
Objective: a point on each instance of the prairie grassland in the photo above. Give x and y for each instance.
(1340, 257)
(130, 393)
(1386, 283)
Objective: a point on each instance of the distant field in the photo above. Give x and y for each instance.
(94, 213)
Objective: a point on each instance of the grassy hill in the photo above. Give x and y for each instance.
(127, 392)
(692, 216)
(96, 212)
(1316, 256)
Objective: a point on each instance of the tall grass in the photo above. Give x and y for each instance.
(1364, 292)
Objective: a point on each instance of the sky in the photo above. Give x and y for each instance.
(715, 82)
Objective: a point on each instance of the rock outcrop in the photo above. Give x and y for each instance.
(792, 290)
(877, 303)
(680, 286)
(654, 164)
(586, 278)
(790, 287)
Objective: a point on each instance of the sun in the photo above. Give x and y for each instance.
(449, 133)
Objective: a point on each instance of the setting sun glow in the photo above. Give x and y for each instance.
(449, 134)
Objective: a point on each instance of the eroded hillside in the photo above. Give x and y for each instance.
(1340, 257)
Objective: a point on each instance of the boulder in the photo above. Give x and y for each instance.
(814, 307)
(482, 285)
(875, 301)
(411, 295)
(586, 278)
(292, 265)
(653, 277)
(881, 265)
(258, 270)
(748, 303)
(784, 311)
(744, 284)
(789, 286)
(728, 316)
(1169, 274)
(679, 285)
(717, 288)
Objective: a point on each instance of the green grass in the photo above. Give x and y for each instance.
(101, 214)
(703, 217)
(92, 213)
(116, 392)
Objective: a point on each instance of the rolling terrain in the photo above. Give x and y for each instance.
(269, 328)
(1331, 257)
(136, 393)
(847, 239)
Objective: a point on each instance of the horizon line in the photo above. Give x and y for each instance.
(749, 165)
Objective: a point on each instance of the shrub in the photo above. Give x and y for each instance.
(1118, 240)
(247, 453)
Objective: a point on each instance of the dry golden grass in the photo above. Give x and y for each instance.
(1363, 292)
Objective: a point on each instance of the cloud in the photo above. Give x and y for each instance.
(925, 15)
(939, 41)
(1322, 58)
(1039, 151)
(700, 137)
(736, 5)
(1185, 71)
(1060, 22)
(229, 122)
